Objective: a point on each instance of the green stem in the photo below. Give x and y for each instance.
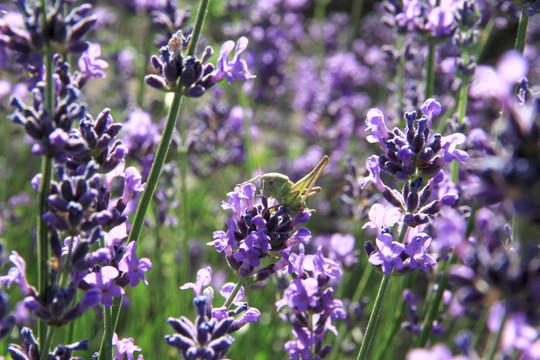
(356, 12)
(186, 215)
(43, 236)
(45, 345)
(430, 69)
(199, 21)
(388, 344)
(161, 154)
(462, 109)
(105, 350)
(157, 166)
(521, 37)
(434, 306)
(400, 75)
(46, 173)
(320, 14)
(495, 343)
(373, 320)
(235, 291)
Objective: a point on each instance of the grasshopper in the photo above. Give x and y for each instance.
(288, 194)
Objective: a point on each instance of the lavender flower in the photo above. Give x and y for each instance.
(102, 285)
(388, 255)
(134, 268)
(125, 347)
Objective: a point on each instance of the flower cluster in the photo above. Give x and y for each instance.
(195, 75)
(31, 351)
(209, 337)
(64, 32)
(310, 299)
(254, 231)
(411, 156)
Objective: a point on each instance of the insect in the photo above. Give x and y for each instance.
(288, 194)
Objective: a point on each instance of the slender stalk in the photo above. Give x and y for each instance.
(157, 166)
(434, 306)
(186, 217)
(46, 344)
(105, 350)
(494, 344)
(356, 12)
(159, 161)
(400, 77)
(521, 37)
(430, 69)
(43, 237)
(235, 291)
(373, 320)
(46, 173)
(199, 21)
(462, 109)
(388, 344)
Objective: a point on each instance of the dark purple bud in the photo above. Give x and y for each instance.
(156, 63)
(393, 197)
(56, 245)
(222, 328)
(412, 202)
(191, 71)
(222, 344)
(19, 45)
(114, 129)
(431, 208)
(197, 91)
(78, 46)
(33, 129)
(418, 143)
(157, 82)
(80, 251)
(207, 54)
(82, 27)
(369, 248)
(425, 195)
(436, 143)
(80, 345)
(420, 219)
(102, 120)
(171, 72)
(17, 353)
(4, 305)
(180, 342)
(182, 326)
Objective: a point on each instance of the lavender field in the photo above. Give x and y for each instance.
(270, 179)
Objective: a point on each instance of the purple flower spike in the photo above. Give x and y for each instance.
(102, 282)
(204, 276)
(237, 68)
(388, 255)
(133, 267)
